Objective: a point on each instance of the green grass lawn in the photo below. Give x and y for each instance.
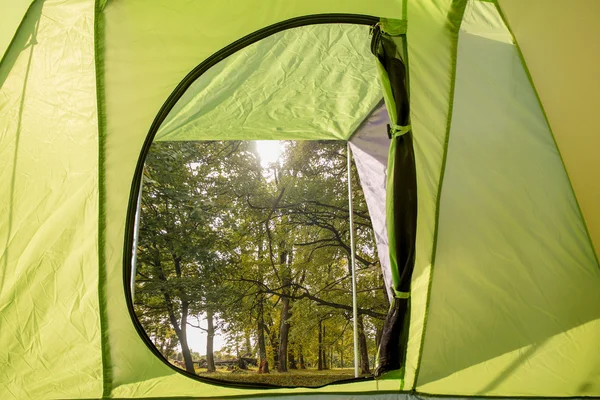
(298, 377)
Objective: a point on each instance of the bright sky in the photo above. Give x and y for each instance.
(269, 151)
(197, 337)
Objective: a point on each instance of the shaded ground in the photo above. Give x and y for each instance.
(306, 377)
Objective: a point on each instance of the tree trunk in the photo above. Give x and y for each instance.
(284, 325)
(322, 360)
(292, 358)
(248, 345)
(284, 330)
(301, 357)
(324, 350)
(362, 348)
(263, 362)
(180, 330)
(210, 357)
(342, 353)
(179, 327)
(320, 347)
(182, 334)
(330, 356)
(275, 346)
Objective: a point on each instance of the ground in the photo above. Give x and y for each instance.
(306, 377)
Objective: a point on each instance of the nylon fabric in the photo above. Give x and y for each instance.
(393, 27)
(13, 13)
(269, 91)
(430, 63)
(136, 87)
(504, 295)
(50, 331)
(515, 305)
(568, 86)
(370, 146)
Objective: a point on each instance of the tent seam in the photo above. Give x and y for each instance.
(458, 9)
(539, 100)
(102, 278)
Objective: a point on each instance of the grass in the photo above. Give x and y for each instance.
(298, 377)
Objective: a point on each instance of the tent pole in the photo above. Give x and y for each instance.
(136, 235)
(353, 261)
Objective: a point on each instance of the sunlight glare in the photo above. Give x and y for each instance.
(269, 151)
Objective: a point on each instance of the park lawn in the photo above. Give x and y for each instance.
(298, 377)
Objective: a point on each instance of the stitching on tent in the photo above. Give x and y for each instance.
(455, 15)
(524, 64)
(102, 278)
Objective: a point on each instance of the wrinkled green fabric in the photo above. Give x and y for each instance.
(515, 301)
(429, 67)
(138, 81)
(13, 13)
(49, 325)
(313, 82)
(562, 58)
(514, 297)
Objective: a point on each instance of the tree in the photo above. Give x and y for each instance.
(263, 251)
(181, 230)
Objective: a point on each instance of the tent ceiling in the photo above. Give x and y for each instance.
(311, 82)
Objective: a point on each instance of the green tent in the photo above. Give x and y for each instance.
(493, 194)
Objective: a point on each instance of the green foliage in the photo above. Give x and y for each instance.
(219, 232)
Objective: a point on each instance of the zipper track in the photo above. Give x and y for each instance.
(178, 92)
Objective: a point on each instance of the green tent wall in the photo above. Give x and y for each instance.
(505, 296)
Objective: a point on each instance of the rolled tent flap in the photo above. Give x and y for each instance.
(401, 210)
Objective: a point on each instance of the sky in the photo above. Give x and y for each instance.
(197, 337)
(269, 151)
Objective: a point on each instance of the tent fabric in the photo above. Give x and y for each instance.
(13, 14)
(508, 306)
(138, 82)
(504, 295)
(370, 145)
(567, 85)
(264, 91)
(49, 325)
(431, 46)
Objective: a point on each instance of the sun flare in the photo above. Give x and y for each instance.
(269, 151)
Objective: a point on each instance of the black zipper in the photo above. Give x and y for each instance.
(182, 87)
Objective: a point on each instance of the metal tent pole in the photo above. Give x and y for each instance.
(136, 235)
(353, 261)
